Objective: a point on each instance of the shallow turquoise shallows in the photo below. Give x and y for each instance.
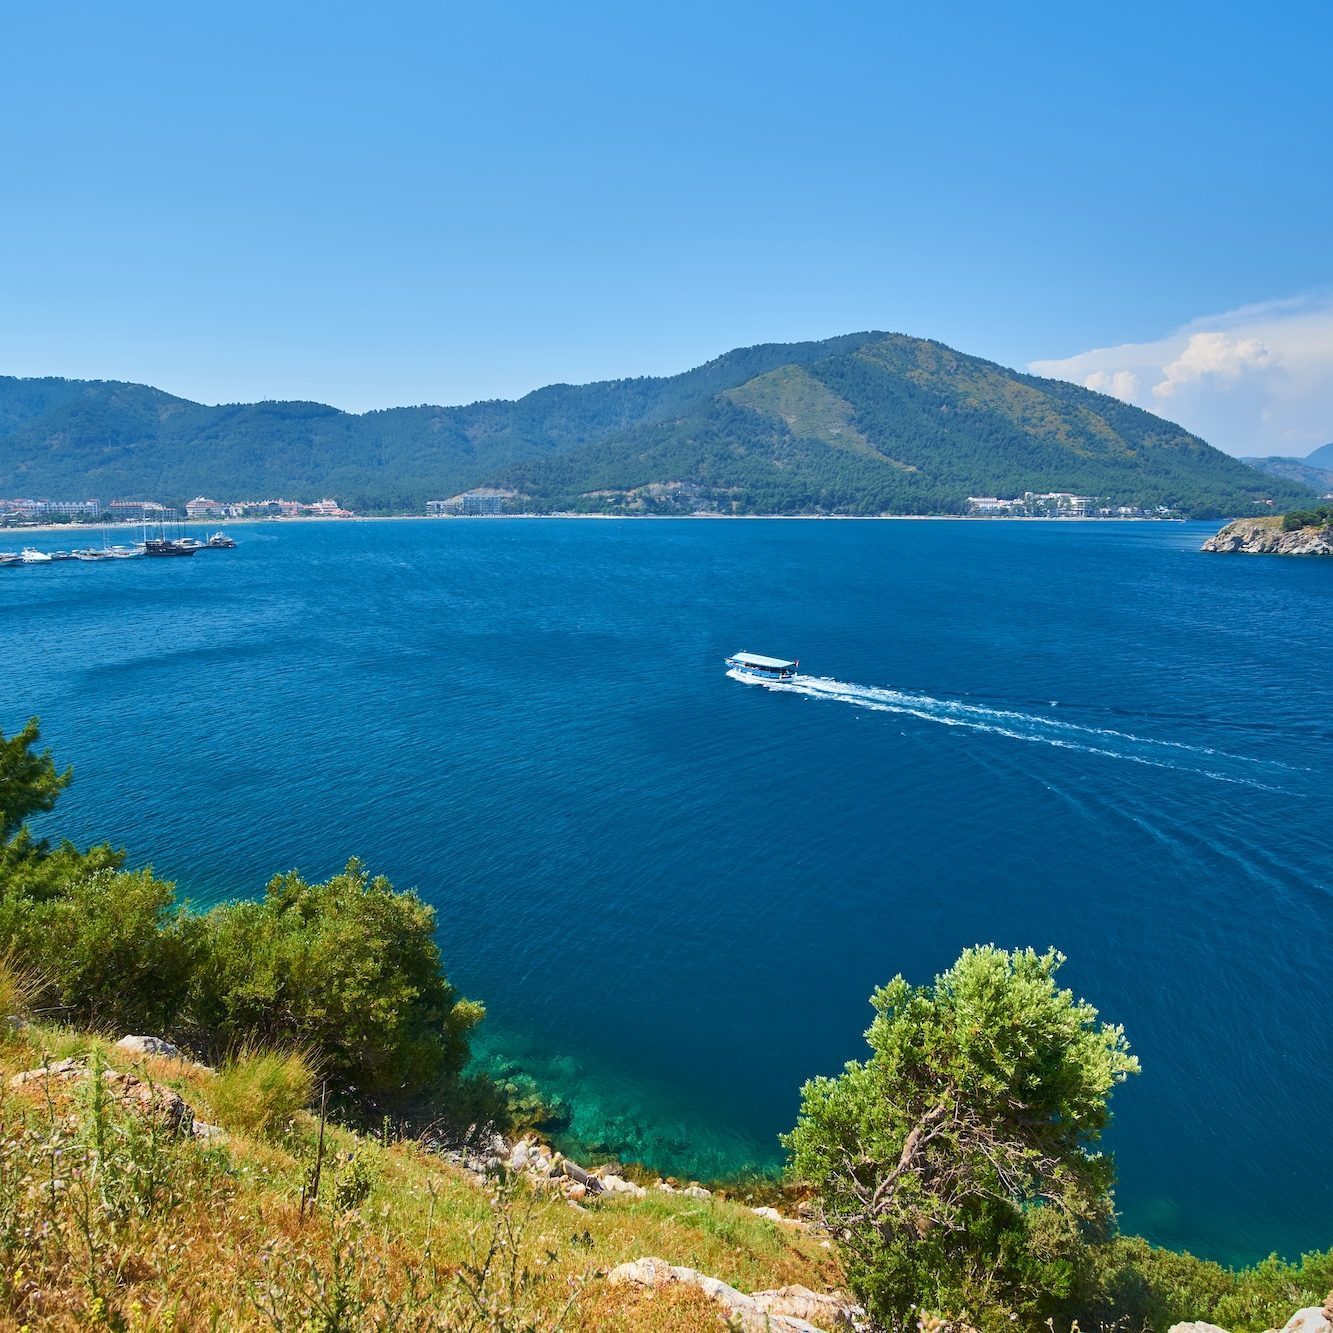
(675, 890)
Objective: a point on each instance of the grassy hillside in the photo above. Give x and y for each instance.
(112, 1219)
(861, 424)
(895, 425)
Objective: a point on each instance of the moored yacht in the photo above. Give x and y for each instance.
(160, 546)
(764, 668)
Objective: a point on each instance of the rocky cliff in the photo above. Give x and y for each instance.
(1264, 536)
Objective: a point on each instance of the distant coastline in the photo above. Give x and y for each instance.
(217, 523)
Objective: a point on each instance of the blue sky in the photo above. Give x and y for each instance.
(400, 203)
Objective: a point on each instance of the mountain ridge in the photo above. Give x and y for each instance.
(867, 422)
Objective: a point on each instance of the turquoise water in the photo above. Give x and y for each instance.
(675, 890)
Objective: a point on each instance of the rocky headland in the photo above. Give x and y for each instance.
(1266, 536)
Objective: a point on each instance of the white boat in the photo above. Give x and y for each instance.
(29, 556)
(10, 558)
(762, 668)
(124, 552)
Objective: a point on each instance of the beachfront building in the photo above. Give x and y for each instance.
(31, 511)
(138, 511)
(200, 507)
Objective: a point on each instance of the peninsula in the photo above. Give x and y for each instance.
(1301, 532)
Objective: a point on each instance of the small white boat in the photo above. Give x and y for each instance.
(29, 556)
(124, 552)
(10, 558)
(762, 668)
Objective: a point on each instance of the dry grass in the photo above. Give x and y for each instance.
(18, 985)
(107, 1220)
(258, 1092)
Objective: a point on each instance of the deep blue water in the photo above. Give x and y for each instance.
(675, 891)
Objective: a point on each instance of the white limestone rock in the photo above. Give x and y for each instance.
(158, 1046)
(1313, 1319)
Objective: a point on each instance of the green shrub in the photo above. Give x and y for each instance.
(1131, 1284)
(348, 968)
(258, 1092)
(954, 1165)
(112, 950)
(1296, 519)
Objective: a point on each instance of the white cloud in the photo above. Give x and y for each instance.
(1257, 380)
(1217, 354)
(1123, 384)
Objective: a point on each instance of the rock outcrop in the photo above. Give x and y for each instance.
(153, 1101)
(1264, 536)
(784, 1310)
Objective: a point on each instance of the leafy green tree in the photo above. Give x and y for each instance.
(954, 1165)
(29, 782)
(348, 968)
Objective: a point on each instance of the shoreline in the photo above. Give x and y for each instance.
(223, 523)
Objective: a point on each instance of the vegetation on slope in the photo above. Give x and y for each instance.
(68, 438)
(861, 424)
(895, 425)
(1321, 516)
(349, 969)
(111, 1219)
(1299, 472)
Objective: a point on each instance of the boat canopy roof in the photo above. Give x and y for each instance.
(754, 659)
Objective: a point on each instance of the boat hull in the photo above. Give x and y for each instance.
(760, 673)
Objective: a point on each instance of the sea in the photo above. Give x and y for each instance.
(675, 890)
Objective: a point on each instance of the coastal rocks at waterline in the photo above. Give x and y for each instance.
(545, 1166)
(788, 1309)
(1264, 536)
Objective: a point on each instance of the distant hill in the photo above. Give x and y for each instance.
(894, 425)
(1314, 471)
(865, 423)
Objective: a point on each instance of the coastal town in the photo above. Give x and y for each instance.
(29, 512)
(1062, 504)
(488, 502)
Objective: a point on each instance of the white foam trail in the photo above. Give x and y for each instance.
(1014, 725)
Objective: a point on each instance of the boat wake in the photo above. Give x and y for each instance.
(1204, 760)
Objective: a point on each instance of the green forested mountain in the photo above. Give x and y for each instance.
(895, 425)
(866, 423)
(76, 438)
